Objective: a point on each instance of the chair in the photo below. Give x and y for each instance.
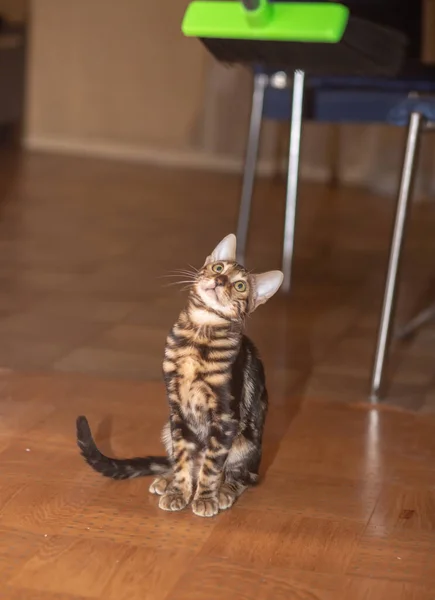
(405, 101)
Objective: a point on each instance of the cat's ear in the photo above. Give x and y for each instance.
(265, 286)
(225, 250)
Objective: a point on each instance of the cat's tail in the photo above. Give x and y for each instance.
(114, 467)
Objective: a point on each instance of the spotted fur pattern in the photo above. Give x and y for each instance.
(216, 391)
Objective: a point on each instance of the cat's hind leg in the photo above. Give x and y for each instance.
(229, 492)
(241, 471)
(160, 484)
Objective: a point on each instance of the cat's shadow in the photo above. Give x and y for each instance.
(103, 435)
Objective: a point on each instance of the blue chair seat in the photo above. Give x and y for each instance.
(355, 99)
(344, 99)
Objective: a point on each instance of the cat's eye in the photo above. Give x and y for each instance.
(218, 268)
(240, 286)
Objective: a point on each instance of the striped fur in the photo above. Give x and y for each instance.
(216, 391)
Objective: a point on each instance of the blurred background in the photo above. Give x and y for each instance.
(118, 79)
(122, 153)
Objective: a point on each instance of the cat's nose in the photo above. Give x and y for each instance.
(221, 280)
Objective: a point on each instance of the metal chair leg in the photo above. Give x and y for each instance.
(418, 321)
(260, 83)
(390, 292)
(292, 177)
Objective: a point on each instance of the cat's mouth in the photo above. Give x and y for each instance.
(212, 292)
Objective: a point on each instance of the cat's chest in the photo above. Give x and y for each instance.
(192, 378)
(199, 377)
(195, 395)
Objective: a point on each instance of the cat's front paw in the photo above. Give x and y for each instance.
(206, 507)
(173, 501)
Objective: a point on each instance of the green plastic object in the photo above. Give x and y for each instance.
(287, 22)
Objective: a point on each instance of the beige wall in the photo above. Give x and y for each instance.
(117, 78)
(112, 71)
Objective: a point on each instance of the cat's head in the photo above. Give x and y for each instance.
(227, 287)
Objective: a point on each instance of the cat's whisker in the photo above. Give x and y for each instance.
(175, 275)
(193, 268)
(185, 269)
(172, 283)
(182, 271)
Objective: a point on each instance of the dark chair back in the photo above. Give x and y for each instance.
(403, 15)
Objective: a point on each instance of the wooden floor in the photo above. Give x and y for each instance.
(85, 247)
(346, 507)
(345, 510)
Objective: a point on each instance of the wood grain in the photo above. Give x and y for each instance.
(315, 528)
(345, 508)
(86, 247)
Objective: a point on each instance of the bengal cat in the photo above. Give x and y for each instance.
(216, 390)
